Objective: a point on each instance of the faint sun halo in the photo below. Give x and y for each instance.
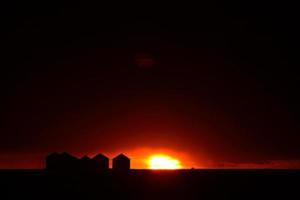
(144, 60)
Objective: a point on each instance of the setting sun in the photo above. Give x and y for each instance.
(163, 162)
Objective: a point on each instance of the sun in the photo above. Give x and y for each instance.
(160, 161)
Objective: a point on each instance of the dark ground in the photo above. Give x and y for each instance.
(147, 184)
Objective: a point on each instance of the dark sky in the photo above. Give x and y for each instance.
(216, 80)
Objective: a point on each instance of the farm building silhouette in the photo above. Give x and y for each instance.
(61, 162)
(64, 162)
(101, 162)
(121, 163)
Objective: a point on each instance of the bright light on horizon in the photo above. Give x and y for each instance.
(161, 161)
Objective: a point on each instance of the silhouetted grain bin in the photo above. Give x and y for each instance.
(100, 162)
(68, 161)
(121, 163)
(85, 164)
(53, 161)
(61, 162)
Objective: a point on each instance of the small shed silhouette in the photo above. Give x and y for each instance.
(100, 162)
(121, 163)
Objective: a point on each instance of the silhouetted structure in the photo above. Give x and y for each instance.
(121, 163)
(53, 161)
(85, 164)
(100, 162)
(61, 162)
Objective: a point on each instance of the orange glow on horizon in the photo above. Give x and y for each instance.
(161, 161)
(140, 158)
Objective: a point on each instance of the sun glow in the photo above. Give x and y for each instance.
(160, 161)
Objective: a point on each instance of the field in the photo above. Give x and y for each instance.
(147, 184)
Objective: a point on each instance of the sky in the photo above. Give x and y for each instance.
(214, 85)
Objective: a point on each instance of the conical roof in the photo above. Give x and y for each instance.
(54, 154)
(85, 158)
(121, 157)
(67, 155)
(100, 157)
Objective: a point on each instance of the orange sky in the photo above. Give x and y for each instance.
(210, 89)
(139, 157)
